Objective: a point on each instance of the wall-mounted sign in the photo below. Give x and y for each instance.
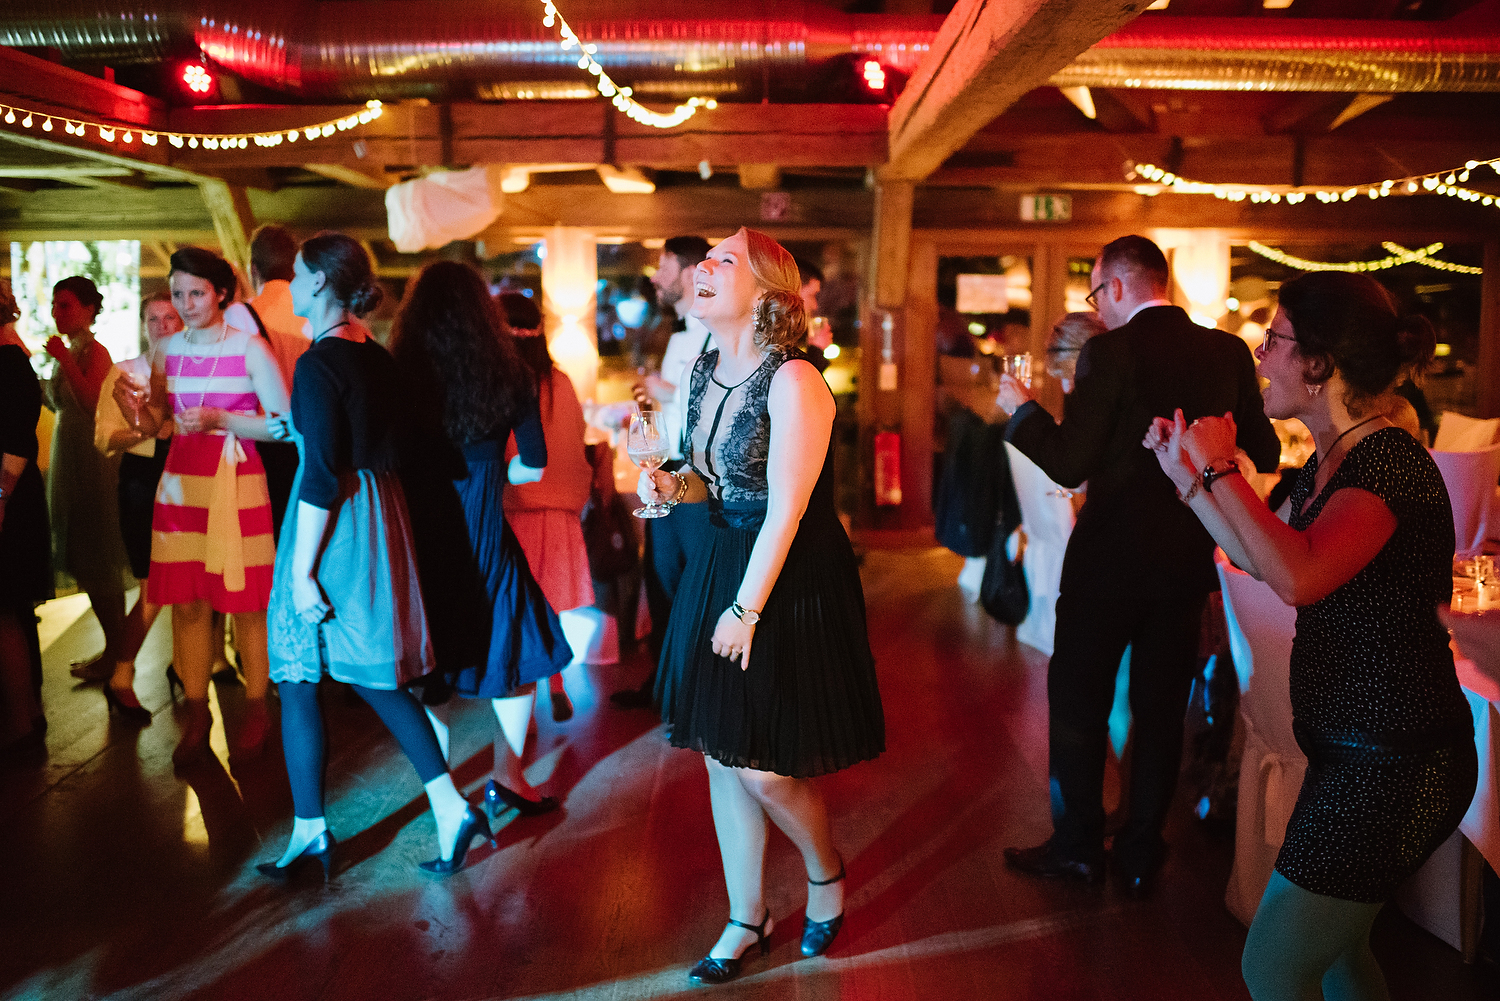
(1046, 208)
(982, 294)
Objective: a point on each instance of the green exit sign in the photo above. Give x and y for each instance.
(1046, 208)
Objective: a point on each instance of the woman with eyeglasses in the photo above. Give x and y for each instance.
(1363, 550)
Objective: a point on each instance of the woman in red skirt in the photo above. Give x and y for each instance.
(212, 547)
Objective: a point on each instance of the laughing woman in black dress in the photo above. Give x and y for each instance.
(1363, 549)
(766, 668)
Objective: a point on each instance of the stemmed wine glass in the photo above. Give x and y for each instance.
(647, 446)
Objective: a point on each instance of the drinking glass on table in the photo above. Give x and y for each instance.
(646, 444)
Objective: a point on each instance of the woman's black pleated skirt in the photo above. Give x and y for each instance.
(809, 703)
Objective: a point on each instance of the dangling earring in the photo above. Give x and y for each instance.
(1313, 388)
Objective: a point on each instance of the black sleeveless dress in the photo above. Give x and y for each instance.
(1376, 706)
(809, 703)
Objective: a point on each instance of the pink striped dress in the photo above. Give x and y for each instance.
(211, 535)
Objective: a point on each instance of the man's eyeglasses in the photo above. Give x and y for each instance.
(1093, 297)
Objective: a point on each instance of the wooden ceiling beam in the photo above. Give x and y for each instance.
(985, 57)
(370, 180)
(524, 132)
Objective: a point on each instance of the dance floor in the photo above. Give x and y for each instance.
(124, 881)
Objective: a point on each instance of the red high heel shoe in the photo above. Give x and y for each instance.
(193, 747)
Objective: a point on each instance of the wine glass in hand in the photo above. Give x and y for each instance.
(647, 446)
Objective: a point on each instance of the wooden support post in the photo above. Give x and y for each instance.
(229, 207)
(1049, 281)
(893, 201)
(1489, 332)
(919, 384)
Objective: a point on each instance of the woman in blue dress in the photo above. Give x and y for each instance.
(345, 601)
(493, 632)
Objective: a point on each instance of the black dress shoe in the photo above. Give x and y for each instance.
(319, 849)
(497, 797)
(1044, 861)
(473, 826)
(710, 970)
(817, 936)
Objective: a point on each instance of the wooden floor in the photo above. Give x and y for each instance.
(123, 881)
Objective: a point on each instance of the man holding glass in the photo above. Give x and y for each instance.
(1139, 566)
(670, 538)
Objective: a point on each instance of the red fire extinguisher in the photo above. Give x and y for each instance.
(888, 469)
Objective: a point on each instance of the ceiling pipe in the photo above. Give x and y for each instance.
(450, 49)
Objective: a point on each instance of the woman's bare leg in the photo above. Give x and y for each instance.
(796, 807)
(741, 826)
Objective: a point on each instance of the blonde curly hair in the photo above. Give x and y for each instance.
(780, 316)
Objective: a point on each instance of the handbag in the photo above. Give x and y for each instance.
(608, 538)
(1003, 591)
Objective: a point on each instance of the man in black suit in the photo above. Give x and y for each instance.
(1139, 565)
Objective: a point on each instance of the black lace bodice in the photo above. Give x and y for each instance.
(727, 434)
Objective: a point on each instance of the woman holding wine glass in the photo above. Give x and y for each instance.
(766, 669)
(646, 444)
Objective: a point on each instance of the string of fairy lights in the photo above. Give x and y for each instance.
(1399, 255)
(126, 135)
(1442, 182)
(618, 96)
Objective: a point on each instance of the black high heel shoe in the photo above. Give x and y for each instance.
(174, 683)
(817, 936)
(719, 971)
(320, 848)
(497, 797)
(473, 824)
(135, 715)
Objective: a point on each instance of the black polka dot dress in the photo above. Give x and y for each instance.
(1376, 705)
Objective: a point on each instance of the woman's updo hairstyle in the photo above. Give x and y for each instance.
(210, 267)
(1348, 322)
(83, 289)
(346, 266)
(780, 316)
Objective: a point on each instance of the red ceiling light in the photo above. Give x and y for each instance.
(874, 75)
(197, 79)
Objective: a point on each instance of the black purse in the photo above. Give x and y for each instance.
(1002, 590)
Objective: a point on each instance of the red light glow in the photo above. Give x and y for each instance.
(197, 78)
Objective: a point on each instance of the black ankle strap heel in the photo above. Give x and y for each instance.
(817, 936)
(718, 971)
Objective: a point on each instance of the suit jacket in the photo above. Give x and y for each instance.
(1132, 525)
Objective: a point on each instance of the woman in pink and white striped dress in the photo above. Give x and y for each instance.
(212, 546)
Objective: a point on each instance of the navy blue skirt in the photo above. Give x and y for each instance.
(492, 628)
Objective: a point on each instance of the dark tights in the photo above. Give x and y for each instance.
(302, 738)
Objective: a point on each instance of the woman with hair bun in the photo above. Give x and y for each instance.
(766, 668)
(346, 602)
(1363, 549)
(86, 541)
(211, 543)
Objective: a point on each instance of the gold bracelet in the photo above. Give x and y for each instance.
(682, 488)
(1192, 491)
